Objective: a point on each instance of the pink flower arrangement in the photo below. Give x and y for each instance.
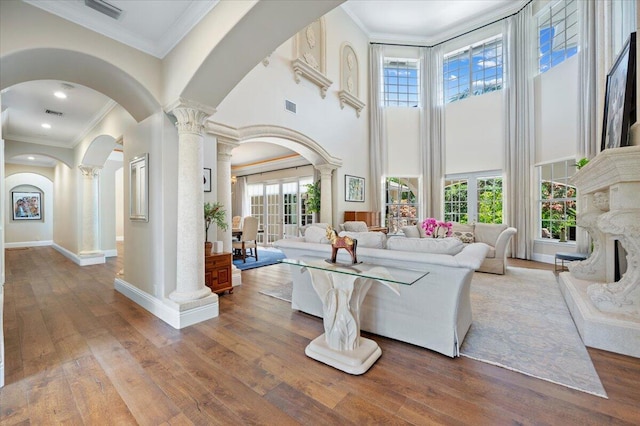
(437, 228)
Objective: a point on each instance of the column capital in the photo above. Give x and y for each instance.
(89, 171)
(224, 148)
(325, 169)
(190, 115)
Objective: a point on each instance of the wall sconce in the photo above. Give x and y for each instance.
(233, 180)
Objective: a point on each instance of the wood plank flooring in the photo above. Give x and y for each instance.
(78, 352)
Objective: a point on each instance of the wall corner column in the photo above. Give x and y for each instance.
(89, 249)
(326, 192)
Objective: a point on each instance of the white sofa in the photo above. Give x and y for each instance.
(434, 313)
(496, 236)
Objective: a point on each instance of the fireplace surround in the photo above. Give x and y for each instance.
(606, 309)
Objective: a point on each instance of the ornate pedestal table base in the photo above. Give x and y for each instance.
(342, 289)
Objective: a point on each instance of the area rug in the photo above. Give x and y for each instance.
(266, 257)
(521, 322)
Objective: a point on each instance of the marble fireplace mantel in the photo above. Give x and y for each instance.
(607, 312)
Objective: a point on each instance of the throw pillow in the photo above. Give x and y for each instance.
(304, 228)
(465, 237)
(355, 226)
(367, 239)
(450, 246)
(411, 231)
(316, 234)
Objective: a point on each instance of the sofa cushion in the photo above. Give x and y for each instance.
(488, 233)
(304, 228)
(411, 231)
(355, 226)
(316, 234)
(426, 245)
(367, 239)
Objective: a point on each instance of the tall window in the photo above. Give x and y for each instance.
(473, 198)
(557, 201)
(401, 207)
(400, 85)
(474, 70)
(557, 33)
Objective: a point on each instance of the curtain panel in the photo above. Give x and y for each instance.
(519, 153)
(377, 127)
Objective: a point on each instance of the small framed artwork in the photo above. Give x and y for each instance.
(619, 101)
(353, 188)
(206, 180)
(27, 205)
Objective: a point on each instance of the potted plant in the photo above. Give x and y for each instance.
(313, 197)
(213, 213)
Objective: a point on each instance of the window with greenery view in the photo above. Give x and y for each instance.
(473, 198)
(474, 70)
(557, 33)
(401, 207)
(557, 201)
(401, 82)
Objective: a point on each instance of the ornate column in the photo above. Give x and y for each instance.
(90, 221)
(223, 175)
(190, 241)
(326, 192)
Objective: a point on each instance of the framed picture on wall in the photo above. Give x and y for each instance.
(353, 188)
(619, 101)
(27, 205)
(206, 180)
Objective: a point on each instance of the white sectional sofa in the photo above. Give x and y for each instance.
(434, 313)
(496, 236)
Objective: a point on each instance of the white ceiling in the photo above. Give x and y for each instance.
(156, 26)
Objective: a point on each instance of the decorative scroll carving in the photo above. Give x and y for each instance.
(349, 79)
(601, 201)
(90, 172)
(594, 266)
(309, 51)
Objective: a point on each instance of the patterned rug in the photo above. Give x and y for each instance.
(521, 322)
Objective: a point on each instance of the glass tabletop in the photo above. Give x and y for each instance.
(364, 270)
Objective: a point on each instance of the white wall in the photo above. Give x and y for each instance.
(23, 233)
(474, 134)
(107, 207)
(66, 209)
(259, 99)
(119, 210)
(403, 138)
(556, 112)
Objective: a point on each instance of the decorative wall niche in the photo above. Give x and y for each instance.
(350, 79)
(309, 51)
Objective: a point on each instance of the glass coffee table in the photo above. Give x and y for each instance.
(342, 289)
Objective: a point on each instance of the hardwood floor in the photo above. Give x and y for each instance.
(78, 352)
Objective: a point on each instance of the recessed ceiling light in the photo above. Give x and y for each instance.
(60, 95)
(46, 125)
(31, 158)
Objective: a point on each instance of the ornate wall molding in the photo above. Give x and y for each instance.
(190, 115)
(309, 51)
(90, 172)
(350, 79)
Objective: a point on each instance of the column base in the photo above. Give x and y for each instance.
(236, 276)
(91, 258)
(355, 362)
(190, 296)
(614, 332)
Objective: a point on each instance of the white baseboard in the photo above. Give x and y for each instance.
(80, 260)
(120, 238)
(169, 314)
(545, 258)
(28, 244)
(1, 375)
(110, 253)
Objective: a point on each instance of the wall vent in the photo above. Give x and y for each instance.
(105, 8)
(290, 106)
(52, 112)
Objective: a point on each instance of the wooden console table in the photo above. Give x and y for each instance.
(217, 272)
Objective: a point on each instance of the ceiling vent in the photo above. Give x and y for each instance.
(105, 8)
(52, 112)
(290, 106)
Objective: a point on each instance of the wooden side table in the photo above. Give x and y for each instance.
(217, 272)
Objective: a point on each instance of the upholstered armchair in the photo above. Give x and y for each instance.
(248, 239)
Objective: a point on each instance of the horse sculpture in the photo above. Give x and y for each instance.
(347, 243)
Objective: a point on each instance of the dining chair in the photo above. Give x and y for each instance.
(248, 240)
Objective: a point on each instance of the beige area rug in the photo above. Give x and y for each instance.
(521, 322)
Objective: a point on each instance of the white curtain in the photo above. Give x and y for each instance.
(588, 139)
(377, 128)
(432, 130)
(519, 130)
(242, 203)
